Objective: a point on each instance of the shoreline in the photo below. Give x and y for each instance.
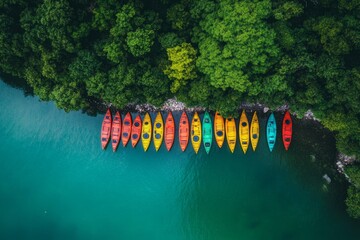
(173, 105)
(342, 160)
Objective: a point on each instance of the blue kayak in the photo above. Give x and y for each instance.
(271, 132)
(207, 132)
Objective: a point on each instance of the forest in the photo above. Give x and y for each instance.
(211, 53)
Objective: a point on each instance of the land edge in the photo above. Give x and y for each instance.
(172, 104)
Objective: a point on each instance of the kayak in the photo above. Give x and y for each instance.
(196, 132)
(136, 131)
(158, 131)
(116, 131)
(287, 130)
(169, 131)
(254, 131)
(126, 129)
(271, 132)
(105, 129)
(207, 132)
(183, 131)
(146, 132)
(219, 129)
(244, 132)
(230, 129)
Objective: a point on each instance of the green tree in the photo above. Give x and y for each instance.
(235, 43)
(178, 15)
(134, 31)
(170, 40)
(68, 97)
(182, 67)
(287, 10)
(140, 41)
(353, 202)
(84, 66)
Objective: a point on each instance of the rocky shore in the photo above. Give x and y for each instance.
(174, 105)
(342, 161)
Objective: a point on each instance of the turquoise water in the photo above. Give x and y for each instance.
(57, 183)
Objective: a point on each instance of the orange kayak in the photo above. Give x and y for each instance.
(136, 131)
(184, 131)
(126, 129)
(116, 131)
(106, 129)
(169, 131)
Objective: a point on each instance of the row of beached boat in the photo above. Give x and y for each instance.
(197, 131)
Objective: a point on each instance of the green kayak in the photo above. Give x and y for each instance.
(271, 132)
(207, 132)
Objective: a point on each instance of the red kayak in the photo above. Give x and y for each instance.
(116, 131)
(105, 129)
(184, 131)
(126, 129)
(287, 130)
(136, 131)
(169, 131)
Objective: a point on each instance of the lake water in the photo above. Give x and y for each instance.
(57, 183)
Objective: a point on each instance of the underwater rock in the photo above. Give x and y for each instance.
(327, 178)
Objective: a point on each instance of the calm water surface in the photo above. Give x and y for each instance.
(57, 183)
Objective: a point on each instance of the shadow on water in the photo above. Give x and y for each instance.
(260, 195)
(263, 195)
(95, 105)
(18, 83)
(49, 229)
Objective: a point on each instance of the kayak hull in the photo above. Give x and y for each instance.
(126, 129)
(196, 132)
(230, 129)
(207, 132)
(116, 131)
(219, 129)
(254, 131)
(244, 132)
(169, 131)
(184, 131)
(106, 129)
(136, 131)
(158, 131)
(287, 130)
(146, 131)
(271, 132)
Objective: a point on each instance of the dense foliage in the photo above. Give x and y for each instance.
(353, 199)
(206, 52)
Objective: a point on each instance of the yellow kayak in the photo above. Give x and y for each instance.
(146, 132)
(254, 131)
(244, 132)
(158, 131)
(219, 129)
(230, 129)
(196, 132)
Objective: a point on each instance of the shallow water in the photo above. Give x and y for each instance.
(57, 183)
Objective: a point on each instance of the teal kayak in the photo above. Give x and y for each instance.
(207, 132)
(271, 132)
